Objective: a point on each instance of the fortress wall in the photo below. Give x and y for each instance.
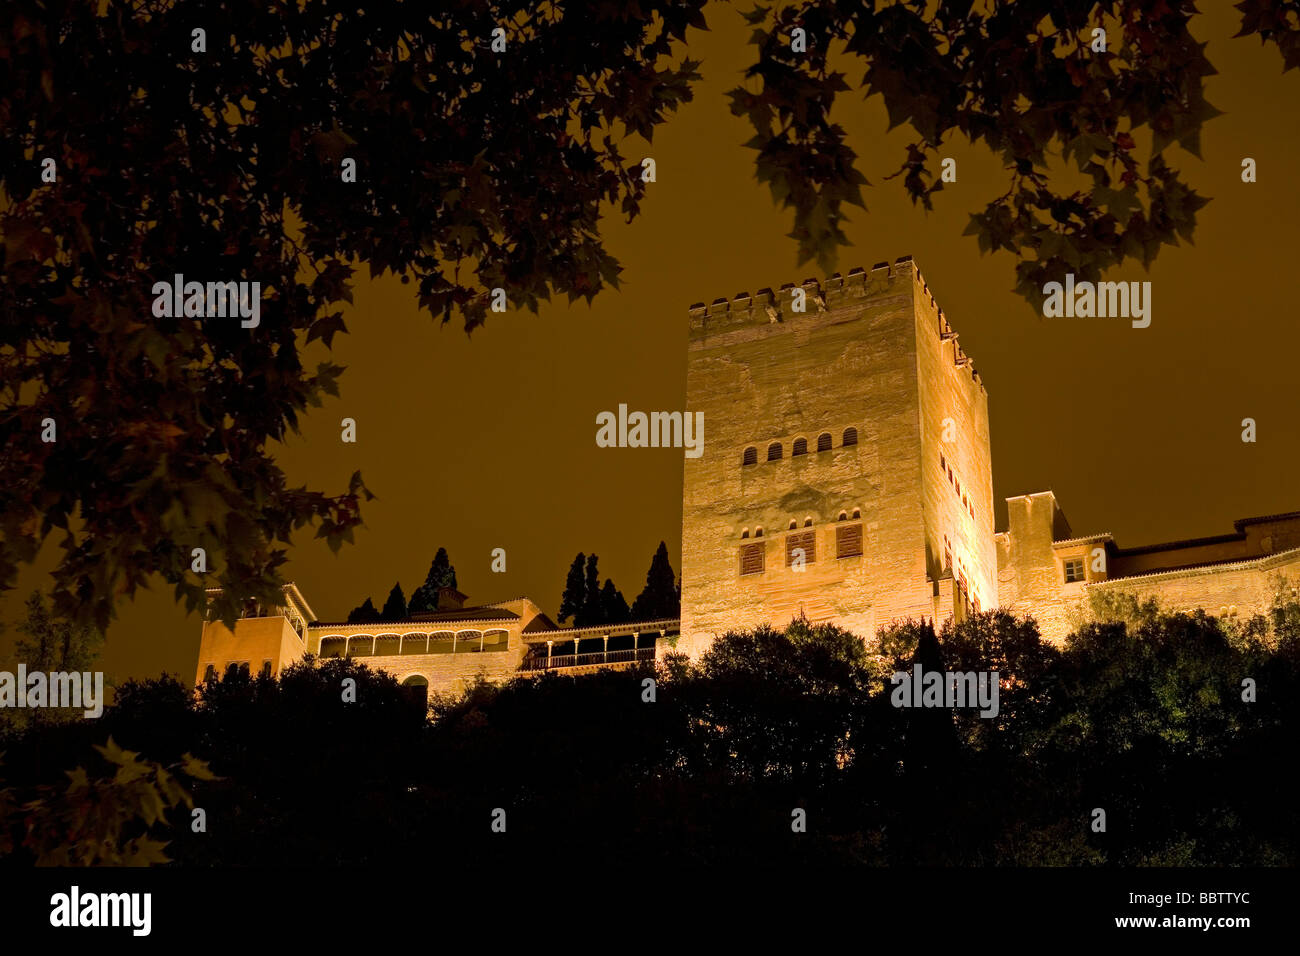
(950, 389)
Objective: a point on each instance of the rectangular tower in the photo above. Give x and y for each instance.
(835, 442)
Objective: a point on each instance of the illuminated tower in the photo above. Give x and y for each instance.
(846, 466)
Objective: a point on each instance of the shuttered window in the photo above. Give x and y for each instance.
(804, 539)
(751, 558)
(848, 541)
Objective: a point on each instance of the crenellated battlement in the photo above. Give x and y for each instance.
(834, 292)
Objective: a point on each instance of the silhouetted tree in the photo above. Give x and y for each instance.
(1144, 719)
(660, 597)
(613, 607)
(395, 606)
(364, 614)
(591, 612)
(931, 740)
(575, 590)
(441, 575)
(54, 643)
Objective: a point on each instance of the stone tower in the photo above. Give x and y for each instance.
(846, 466)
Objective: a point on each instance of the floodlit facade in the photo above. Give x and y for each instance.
(846, 477)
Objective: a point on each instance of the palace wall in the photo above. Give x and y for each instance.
(866, 357)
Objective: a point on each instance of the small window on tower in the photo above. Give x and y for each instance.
(1074, 570)
(751, 559)
(774, 451)
(850, 437)
(793, 524)
(744, 533)
(857, 512)
(807, 522)
(805, 541)
(750, 457)
(800, 447)
(848, 541)
(824, 441)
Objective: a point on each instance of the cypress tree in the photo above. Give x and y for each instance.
(363, 613)
(395, 606)
(661, 598)
(442, 574)
(613, 606)
(575, 590)
(591, 610)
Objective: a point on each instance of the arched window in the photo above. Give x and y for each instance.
(758, 532)
(496, 640)
(844, 515)
(793, 524)
(416, 687)
(744, 532)
(469, 642)
(850, 436)
(807, 522)
(824, 441)
(774, 451)
(800, 447)
(751, 456)
(857, 512)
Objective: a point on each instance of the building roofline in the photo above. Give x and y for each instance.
(1178, 545)
(1280, 557)
(600, 630)
(381, 627)
(288, 587)
(1266, 519)
(1101, 536)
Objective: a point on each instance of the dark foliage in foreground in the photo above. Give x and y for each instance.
(1143, 719)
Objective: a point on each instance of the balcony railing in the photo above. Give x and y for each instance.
(557, 661)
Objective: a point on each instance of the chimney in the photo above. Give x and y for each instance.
(449, 599)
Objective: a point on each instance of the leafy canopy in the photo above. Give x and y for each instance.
(475, 170)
